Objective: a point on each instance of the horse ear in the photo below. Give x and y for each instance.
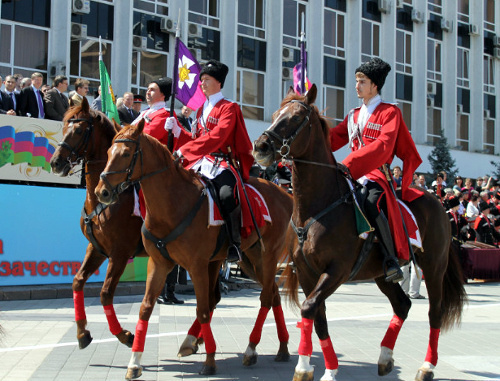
(71, 104)
(140, 125)
(85, 105)
(311, 95)
(290, 90)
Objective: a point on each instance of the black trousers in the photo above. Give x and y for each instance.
(375, 201)
(225, 183)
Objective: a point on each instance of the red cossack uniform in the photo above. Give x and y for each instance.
(384, 136)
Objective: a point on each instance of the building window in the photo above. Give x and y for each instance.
(24, 49)
(251, 53)
(404, 87)
(489, 15)
(403, 52)
(434, 27)
(463, 10)
(34, 12)
(435, 6)
(334, 33)
(339, 5)
(463, 67)
(158, 7)
(147, 67)
(370, 40)
(292, 21)
(489, 136)
(204, 12)
(251, 18)
(406, 111)
(99, 22)
(250, 93)
(334, 72)
(370, 10)
(84, 61)
(434, 125)
(148, 28)
(463, 132)
(207, 44)
(334, 103)
(434, 60)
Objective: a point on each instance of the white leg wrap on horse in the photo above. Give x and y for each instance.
(427, 366)
(303, 365)
(189, 341)
(385, 355)
(135, 360)
(250, 352)
(329, 375)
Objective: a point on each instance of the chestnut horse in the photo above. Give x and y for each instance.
(324, 215)
(176, 205)
(113, 232)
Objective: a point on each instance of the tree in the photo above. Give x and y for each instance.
(440, 158)
(496, 172)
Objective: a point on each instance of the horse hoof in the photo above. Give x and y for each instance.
(282, 357)
(133, 373)
(85, 340)
(208, 370)
(188, 347)
(424, 375)
(303, 376)
(384, 369)
(249, 360)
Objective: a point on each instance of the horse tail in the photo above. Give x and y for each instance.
(290, 282)
(454, 295)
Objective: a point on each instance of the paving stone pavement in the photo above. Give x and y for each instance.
(39, 342)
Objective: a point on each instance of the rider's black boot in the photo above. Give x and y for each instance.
(234, 230)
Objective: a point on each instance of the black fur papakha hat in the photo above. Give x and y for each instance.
(165, 86)
(483, 205)
(215, 69)
(376, 70)
(453, 201)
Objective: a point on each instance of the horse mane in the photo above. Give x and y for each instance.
(107, 126)
(158, 148)
(293, 96)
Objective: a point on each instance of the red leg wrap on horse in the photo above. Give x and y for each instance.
(305, 346)
(114, 326)
(200, 334)
(283, 335)
(432, 349)
(79, 305)
(195, 329)
(257, 329)
(392, 333)
(331, 361)
(206, 331)
(141, 330)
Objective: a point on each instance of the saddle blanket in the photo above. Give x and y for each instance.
(257, 202)
(409, 220)
(258, 205)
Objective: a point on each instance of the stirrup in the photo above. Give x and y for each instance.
(392, 273)
(233, 254)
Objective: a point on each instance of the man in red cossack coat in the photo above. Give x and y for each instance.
(219, 128)
(376, 133)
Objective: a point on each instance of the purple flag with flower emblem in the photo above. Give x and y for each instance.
(188, 86)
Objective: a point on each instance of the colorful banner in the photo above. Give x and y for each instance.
(107, 94)
(188, 86)
(7, 141)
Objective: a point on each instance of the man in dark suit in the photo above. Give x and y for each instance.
(126, 113)
(55, 101)
(6, 104)
(10, 88)
(31, 102)
(185, 119)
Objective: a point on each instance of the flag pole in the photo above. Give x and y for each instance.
(302, 57)
(175, 79)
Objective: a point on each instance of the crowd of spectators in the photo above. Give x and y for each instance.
(30, 97)
(473, 205)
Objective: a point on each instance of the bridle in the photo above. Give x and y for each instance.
(284, 149)
(82, 144)
(121, 187)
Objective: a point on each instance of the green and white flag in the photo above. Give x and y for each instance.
(107, 95)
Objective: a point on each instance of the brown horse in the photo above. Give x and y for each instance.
(177, 206)
(326, 252)
(113, 232)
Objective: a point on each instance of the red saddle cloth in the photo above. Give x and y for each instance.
(259, 208)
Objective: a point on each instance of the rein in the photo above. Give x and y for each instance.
(121, 187)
